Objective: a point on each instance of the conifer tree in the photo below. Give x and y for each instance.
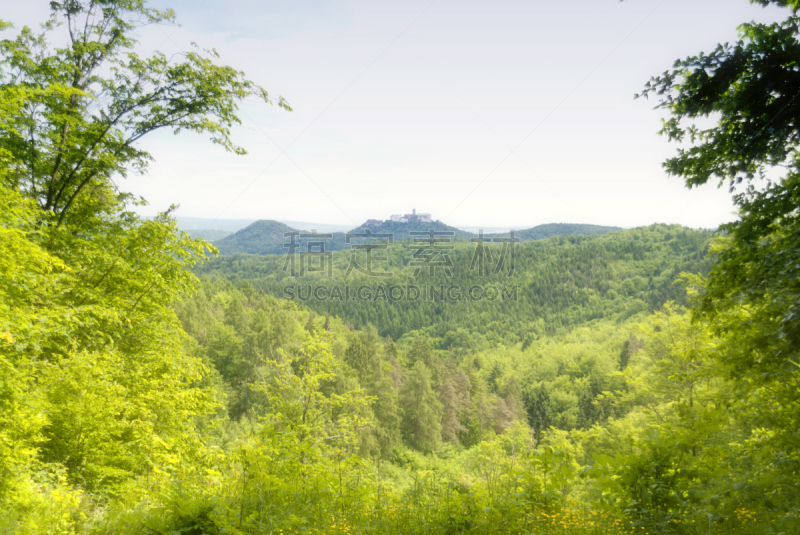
(422, 411)
(540, 412)
(388, 415)
(421, 351)
(455, 399)
(363, 354)
(389, 348)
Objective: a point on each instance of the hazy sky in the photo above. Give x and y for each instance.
(503, 113)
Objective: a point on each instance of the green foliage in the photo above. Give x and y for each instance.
(388, 415)
(114, 392)
(296, 402)
(96, 386)
(749, 299)
(794, 5)
(29, 277)
(422, 411)
(752, 296)
(751, 86)
(72, 115)
(297, 453)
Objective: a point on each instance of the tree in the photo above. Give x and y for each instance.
(224, 351)
(388, 415)
(503, 415)
(309, 326)
(73, 114)
(629, 348)
(752, 294)
(389, 348)
(511, 393)
(421, 351)
(97, 348)
(363, 354)
(540, 412)
(456, 403)
(422, 411)
(235, 315)
(495, 375)
(687, 447)
(483, 416)
(27, 278)
(753, 86)
(297, 403)
(117, 394)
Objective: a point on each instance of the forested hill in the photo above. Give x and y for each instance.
(540, 232)
(560, 282)
(402, 231)
(266, 237)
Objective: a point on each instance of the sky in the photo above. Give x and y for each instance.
(485, 114)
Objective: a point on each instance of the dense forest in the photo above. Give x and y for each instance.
(638, 381)
(557, 283)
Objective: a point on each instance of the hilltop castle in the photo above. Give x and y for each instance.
(412, 217)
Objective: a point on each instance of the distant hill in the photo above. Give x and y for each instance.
(211, 235)
(262, 237)
(541, 232)
(189, 224)
(401, 231)
(216, 229)
(266, 237)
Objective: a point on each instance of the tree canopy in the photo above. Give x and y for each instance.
(751, 90)
(72, 114)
